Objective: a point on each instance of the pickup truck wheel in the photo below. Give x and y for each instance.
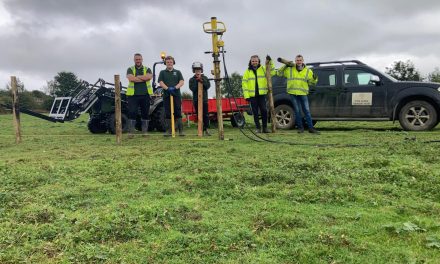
(418, 116)
(237, 120)
(285, 117)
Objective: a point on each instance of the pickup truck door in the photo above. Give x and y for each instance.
(323, 96)
(359, 96)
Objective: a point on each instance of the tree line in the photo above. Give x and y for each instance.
(407, 71)
(65, 82)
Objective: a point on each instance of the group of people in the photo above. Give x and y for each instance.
(299, 77)
(254, 85)
(171, 81)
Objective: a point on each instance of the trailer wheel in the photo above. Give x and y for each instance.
(97, 126)
(237, 120)
(418, 116)
(111, 123)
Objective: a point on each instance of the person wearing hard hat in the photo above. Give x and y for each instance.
(171, 80)
(254, 85)
(138, 94)
(299, 76)
(199, 77)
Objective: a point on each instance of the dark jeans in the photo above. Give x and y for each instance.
(303, 102)
(205, 113)
(136, 101)
(177, 107)
(259, 103)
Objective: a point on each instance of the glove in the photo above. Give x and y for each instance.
(172, 91)
(268, 57)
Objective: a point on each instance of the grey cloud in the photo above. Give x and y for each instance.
(97, 38)
(48, 10)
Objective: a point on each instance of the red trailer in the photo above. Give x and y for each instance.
(230, 107)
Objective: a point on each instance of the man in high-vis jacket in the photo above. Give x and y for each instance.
(299, 77)
(138, 94)
(254, 85)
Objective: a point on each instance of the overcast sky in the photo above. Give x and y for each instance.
(97, 38)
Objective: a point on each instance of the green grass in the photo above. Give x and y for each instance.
(67, 196)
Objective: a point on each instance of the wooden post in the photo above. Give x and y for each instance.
(270, 95)
(200, 110)
(118, 110)
(173, 130)
(15, 110)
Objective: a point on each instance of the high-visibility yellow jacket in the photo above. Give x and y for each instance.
(130, 88)
(249, 78)
(298, 81)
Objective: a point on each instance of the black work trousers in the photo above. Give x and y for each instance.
(258, 104)
(205, 113)
(177, 107)
(136, 101)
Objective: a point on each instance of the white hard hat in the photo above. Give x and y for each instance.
(197, 65)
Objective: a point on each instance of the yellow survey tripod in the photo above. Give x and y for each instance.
(216, 29)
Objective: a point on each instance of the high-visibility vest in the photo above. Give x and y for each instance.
(249, 79)
(130, 88)
(298, 81)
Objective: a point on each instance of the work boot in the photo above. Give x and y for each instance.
(313, 131)
(300, 130)
(131, 128)
(206, 133)
(167, 132)
(145, 124)
(180, 127)
(265, 130)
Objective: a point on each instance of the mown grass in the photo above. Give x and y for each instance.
(68, 196)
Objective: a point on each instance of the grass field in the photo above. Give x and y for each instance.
(67, 196)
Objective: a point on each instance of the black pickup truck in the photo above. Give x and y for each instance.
(353, 91)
